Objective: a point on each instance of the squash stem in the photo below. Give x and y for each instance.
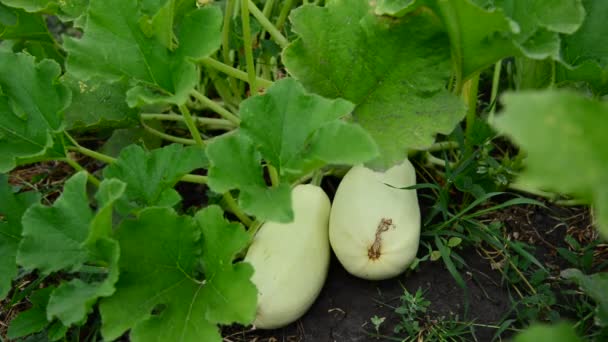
(273, 174)
(317, 178)
(211, 122)
(234, 208)
(251, 79)
(469, 93)
(276, 35)
(74, 164)
(494, 93)
(230, 71)
(191, 125)
(287, 5)
(226, 114)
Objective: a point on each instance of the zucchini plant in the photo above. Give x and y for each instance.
(252, 99)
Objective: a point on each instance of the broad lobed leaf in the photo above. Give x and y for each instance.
(564, 136)
(294, 131)
(151, 175)
(12, 207)
(160, 294)
(394, 70)
(115, 46)
(31, 110)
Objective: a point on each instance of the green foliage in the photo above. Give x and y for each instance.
(586, 51)
(548, 123)
(31, 110)
(293, 131)
(163, 73)
(12, 207)
(344, 51)
(98, 104)
(107, 252)
(175, 303)
(594, 286)
(150, 176)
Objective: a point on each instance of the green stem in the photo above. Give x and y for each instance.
(436, 161)
(469, 92)
(546, 195)
(267, 10)
(234, 208)
(248, 47)
(198, 179)
(232, 83)
(109, 160)
(268, 26)
(226, 31)
(494, 93)
(443, 145)
(216, 123)
(253, 228)
(287, 5)
(274, 175)
(216, 108)
(191, 125)
(74, 164)
(168, 137)
(224, 87)
(89, 153)
(230, 71)
(317, 178)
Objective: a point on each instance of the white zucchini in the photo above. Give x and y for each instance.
(374, 229)
(291, 260)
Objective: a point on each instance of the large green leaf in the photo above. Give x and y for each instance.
(587, 50)
(394, 71)
(294, 131)
(564, 135)
(72, 301)
(483, 32)
(12, 207)
(31, 110)
(115, 46)
(29, 33)
(150, 176)
(160, 296)
(32, 320)
(98, 104)
(541, 22)
(52, 236)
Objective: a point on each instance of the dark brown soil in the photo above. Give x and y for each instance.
(343, 310)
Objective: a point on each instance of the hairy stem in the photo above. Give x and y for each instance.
(469, 93)
(109, 160)
(166, 136)
(223, 112)
(274, 175)
(276, 35)
(194, 179)
(213, 122)
(191, 125)
(74, 164)
(287, 5)
(226, 31)
(251, 79)
(230, 71)
(443, 145)
(494, 93)
(234, 208)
